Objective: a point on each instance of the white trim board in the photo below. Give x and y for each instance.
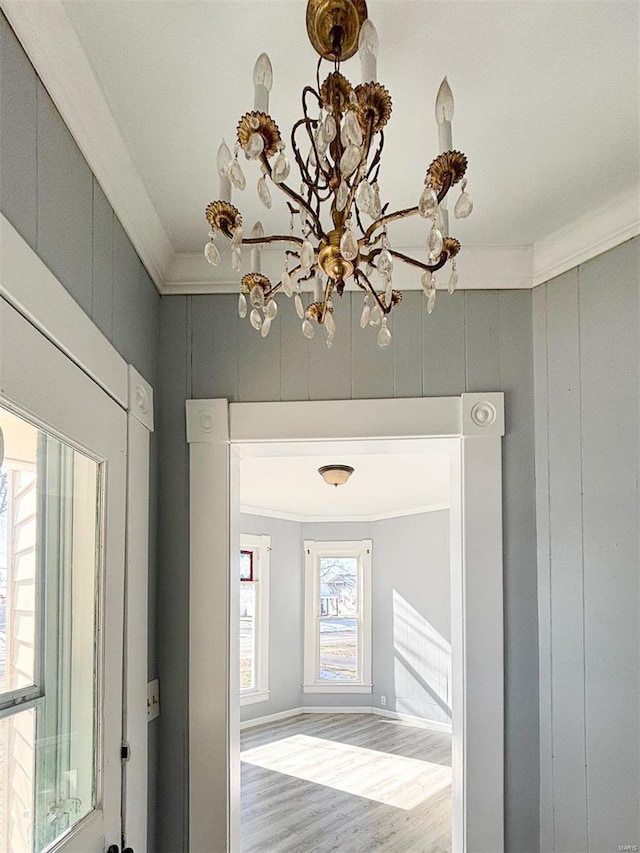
(53, 46)
(313, 519)
(418, 722)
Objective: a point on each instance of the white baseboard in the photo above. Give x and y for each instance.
(419, 722)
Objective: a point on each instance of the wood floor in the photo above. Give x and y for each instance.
(353, 783)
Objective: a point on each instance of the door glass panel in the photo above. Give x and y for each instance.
(49, 544)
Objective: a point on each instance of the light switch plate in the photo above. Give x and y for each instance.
(153, 699)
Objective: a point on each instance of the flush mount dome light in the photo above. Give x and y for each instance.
(335, 475)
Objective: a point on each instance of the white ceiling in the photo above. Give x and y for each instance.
(546, 94)
(381, 486)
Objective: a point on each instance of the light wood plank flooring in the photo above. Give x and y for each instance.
(353, 783)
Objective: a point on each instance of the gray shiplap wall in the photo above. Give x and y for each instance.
(474, 341)
(586, 345)
(49, 194)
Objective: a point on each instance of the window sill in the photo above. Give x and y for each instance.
(254, 697)
(337, 688)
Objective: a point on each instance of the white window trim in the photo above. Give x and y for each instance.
(261, 547)
(313, 550)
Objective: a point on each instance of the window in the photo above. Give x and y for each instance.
(337, 654)
(254, 618)
(50, 497)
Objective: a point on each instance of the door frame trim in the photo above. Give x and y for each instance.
(215, 428)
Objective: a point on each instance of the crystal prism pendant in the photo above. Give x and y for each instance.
(464, 205)
(264, 194)
(272, 309)
(211, 253)
(330, 341)
(297, 301)
(236, 175)
(236, 259)
(428, 203)
(375, 316)
(307, 329)
(431, 300)
(329, 129)
(434, 243)
(384, 335)
(266, 325)
(306, 255)
(255, 146)
(256, 297)
(352, 128)
(349, 160)
(376, 205)
(385, 263)
(342, 195)
(364, 196)
(453, 280)
(281, 168)
(366, 313)
(287, 284)
(348, 245)
(255, 318)
(242, 306)
(388, 293)
(238, 234)
(321, 142)
(329, 322)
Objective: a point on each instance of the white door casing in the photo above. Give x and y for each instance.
(33, 300)
(474, 424)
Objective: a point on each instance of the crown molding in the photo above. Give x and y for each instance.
(596, 232)
(52, 45)
(283, 515)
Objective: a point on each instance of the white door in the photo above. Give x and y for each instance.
(62, 549)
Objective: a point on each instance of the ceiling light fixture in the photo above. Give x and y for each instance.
(337, 146)
(335, 475)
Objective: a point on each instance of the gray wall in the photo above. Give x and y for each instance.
(50, 196)
(473, 341)
(410, 613)
(586, 344)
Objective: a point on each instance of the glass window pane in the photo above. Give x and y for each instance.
(246, 565)
(338, 586)
(338, 649)
(247, 635)
(49, 503)
(18, 525)
(17, 763)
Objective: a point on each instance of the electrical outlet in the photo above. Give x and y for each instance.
(153, 700)
(383, 700)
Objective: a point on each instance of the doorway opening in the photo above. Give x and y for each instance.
(218, 433)
(344, 634)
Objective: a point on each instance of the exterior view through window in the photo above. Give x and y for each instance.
(338, 579)
(49, 542)
(247, 622)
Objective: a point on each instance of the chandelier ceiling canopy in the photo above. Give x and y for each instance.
(338, 221)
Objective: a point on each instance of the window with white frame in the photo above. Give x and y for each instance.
(254, 618)
(337, 644)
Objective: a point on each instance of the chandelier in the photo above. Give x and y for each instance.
(338, 222)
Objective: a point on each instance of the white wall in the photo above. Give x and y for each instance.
(586, 347)
(411, 613)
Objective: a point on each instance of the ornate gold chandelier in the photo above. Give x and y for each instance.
(338, 151)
